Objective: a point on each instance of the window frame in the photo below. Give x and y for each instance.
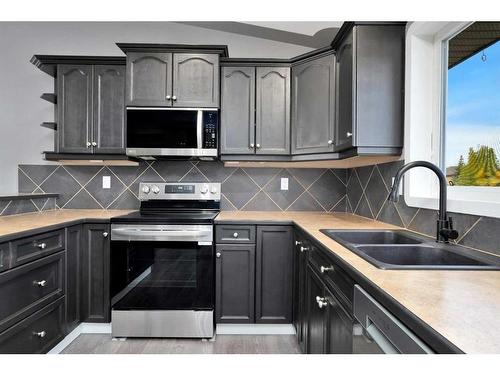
(426, 69)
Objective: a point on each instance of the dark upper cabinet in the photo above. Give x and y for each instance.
(235, 283)
(255, 110)
(162, 79)
(237, 110)
(149, 79)
(313, 106)
(74, 88)
(109, 109)
(272, 126)
(95, 274)
(370, 74)
(316, 318)
(274, 267)
(195, 80)
(74, 258)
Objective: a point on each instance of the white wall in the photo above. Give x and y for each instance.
(21, 110)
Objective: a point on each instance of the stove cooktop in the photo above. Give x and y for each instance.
(171, 217)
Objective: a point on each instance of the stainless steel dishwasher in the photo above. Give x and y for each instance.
(377, 331)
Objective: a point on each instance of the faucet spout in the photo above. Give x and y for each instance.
(445, 229)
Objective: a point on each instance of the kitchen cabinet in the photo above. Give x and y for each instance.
(255, 110)
(339, 326)
(299, 289)
(316, 322)
(313, 106)
(235, 283)
(237, 110)
(273, 286)
(95, 274)
(163, 79)
(369, 87)
(74, 257)
(91, 112)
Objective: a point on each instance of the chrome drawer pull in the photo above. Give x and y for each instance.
(235, 234)
(321, 301)
(40, 334)
(326, 269)
(302, 249)
(42, 245)
(41, 284)
(105, 234)
(298, 243)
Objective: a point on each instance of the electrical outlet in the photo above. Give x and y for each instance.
(106, 182)
(284, 183)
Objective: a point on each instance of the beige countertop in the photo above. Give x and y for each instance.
(462, 306)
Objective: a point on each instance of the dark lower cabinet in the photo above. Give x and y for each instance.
(339, 327)
(95, 274)
(316, 327)
(299, 290)
(273, 285)
(74, 257)
(235, 283)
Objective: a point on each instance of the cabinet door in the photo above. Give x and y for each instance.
(109, 109)
(273, 294)
(316, 325)
(149, 79)
(299, 295)
(273, 111)
(73, 275)
(95, 268)
(235, 280)
(313, 106)
(238, 110)
(74, 95)
(339, 329)
(345, 93)
(195, 80)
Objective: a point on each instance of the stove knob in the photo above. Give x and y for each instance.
(204, 189)
(155, 189)
(213, 190)
(145, 189)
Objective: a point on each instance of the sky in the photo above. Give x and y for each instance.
(473, 105)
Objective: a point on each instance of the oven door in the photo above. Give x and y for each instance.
(164, 131)
(162, 267)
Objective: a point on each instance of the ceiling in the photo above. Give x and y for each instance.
(308, 34)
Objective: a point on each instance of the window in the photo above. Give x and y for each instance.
(452, 114)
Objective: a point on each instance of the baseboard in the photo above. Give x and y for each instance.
(255, 329)
(81, 328)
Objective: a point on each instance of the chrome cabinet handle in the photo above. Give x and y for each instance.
(330, 141)
(252, 145)
(326, 269)
(40, 334)
(302, 249)
(42, 245)
(168, 97)
(89, 144)
(94, 144)
(235, 234)
(41, 283)
(218, 255)
(321, 301)
(105, 234)
(349, 134)
(174, 98)
(258, 145)
(298, 243)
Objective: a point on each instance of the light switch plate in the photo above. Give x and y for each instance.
(106, 182)
(284, 183)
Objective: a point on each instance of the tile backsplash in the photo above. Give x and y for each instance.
(367, 192)
(26, 205)
(242, 188)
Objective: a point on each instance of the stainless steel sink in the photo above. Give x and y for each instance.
(401, 249)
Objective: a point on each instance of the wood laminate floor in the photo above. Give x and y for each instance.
(223, 344)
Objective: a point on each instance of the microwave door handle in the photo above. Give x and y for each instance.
(199, 130)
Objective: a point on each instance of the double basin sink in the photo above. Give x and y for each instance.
(400, 249)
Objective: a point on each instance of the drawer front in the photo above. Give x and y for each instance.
(27, 288)
(333, 276)
(30, 248)
(38, 333)
(4, 256)
(235, 234)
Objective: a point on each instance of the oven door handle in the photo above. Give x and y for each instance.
(127, 234)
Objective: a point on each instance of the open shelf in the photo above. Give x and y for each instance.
(52, 98)
(49, 125)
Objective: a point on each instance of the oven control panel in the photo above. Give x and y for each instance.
(177, 191)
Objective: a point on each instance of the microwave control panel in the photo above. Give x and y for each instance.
(210, 128)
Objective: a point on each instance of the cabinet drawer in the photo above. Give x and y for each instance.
(4, 256)
(30, 248)
(36, 334)
(235, 234)
(27, 288)
(333, 276)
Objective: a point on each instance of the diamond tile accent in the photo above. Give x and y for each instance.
(364, 174)
(194, 175)
(62, 183)
(24, 183)
(225, 205)
(82, 199)
(342, 174)
(305, 202)
(239, 188)
(389, 214)
(20, 206)
(82, 173)
(214, 170)
(128, 174)
(38, 173)
(306, 176)
(283, 198)
(376, 192)
(354, 190)
(3, 205)
(484, 235)
(172, 171)
(364, 208)
(262, 176)
(105, 196)
(126, 201)
(341, 205)
(261, 202)
(424, 222)
(328, 190)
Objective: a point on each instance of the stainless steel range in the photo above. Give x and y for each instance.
(162, 262)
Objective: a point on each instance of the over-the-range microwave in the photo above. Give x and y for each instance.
(175, 132)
